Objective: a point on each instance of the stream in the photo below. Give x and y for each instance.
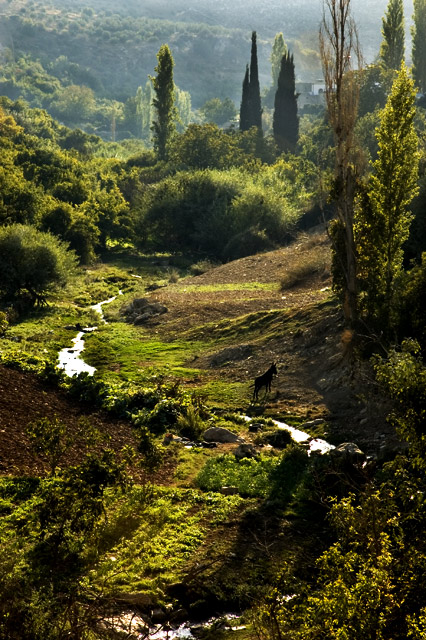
(69, 359)
(136, 629)
(315, 444)
(71, 362)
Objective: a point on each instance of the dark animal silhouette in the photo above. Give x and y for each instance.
(264, 381)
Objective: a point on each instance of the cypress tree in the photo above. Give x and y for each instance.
(163, 125)
(244, 108)
(279, 48)
(286, 121)
(419, 44)
(251, 108)
(254, 87)
(392, 47)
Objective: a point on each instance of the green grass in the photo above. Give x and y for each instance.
(233, 286)
(148, 545)
(226, 395)
(251, 477)
(190, 463)
(121, 349)
(43, 333)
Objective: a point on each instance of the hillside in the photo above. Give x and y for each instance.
(212, 533)
(248, 327)
(112, 49)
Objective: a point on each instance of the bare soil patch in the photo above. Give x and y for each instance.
(25, 399)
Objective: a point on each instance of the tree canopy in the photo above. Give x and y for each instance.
(32, 263)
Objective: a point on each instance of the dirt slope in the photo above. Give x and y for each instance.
(24, 399)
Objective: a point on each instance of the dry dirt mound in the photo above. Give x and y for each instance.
(24, 399)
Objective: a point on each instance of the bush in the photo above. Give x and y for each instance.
(280, 438)
(190, 424)
(200, 267)
(3, 323)
(223, 214)
(32, 263)
(289, 473)
(162, 417)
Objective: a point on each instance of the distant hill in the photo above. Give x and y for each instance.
(294, 18)
(115, 44)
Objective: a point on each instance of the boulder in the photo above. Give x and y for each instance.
(220, 434)
(141, 309)
(348, 451)
(245, 450)
(139, 303)
(141, 319)
(209, 445)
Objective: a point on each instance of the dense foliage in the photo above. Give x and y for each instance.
(32, 263)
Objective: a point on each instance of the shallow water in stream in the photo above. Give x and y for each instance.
(137, 629)
(301, 437)
(315, 444)
(69, 358)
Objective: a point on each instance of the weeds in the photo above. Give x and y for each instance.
(250, 476)
(201, 267)
(306, 266)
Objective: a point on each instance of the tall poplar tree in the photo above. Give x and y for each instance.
(340, 52)
(383, 222)
(286, 121)
(392, 47)
(163, 125)
(419, 44)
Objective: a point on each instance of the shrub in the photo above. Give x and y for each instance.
(32, 263)
(189, 424)
(162, 417)
(201, 267)
(3, 323)
(223, 214)
(280, 438)
(289, 473)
